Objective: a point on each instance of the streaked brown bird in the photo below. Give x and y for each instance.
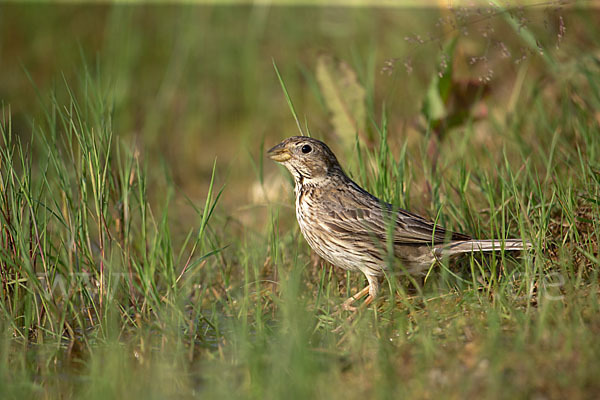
(353, 230)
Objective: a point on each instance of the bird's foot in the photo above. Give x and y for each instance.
(347, 305)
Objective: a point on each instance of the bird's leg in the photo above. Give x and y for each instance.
(368, 300)
(372, 289)
(347, 305)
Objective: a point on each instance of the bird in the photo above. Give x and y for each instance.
(356, 231)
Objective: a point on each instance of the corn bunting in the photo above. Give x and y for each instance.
(356, 231)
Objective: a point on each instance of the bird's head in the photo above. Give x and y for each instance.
(307, 159)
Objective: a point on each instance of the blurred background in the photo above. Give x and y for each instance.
(190, 85)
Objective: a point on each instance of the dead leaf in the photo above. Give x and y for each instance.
(344, 97)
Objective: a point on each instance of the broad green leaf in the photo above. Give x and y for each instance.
(434, 104)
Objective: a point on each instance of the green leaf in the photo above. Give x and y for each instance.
(434, 104)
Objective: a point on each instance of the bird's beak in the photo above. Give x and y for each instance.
(279, 153)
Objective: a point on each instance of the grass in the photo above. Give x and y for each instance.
(121, 278)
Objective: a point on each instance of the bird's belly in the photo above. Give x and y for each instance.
(340, 250)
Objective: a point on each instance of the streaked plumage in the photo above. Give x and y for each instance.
(349, 227)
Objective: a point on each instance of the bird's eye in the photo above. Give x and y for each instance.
(306, 149)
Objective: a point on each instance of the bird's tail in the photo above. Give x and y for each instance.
(474, 246)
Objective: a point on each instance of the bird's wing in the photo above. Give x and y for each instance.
(365, 215)
(411, 228)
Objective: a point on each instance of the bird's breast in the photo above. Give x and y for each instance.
(312, 212)
(305, 205)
